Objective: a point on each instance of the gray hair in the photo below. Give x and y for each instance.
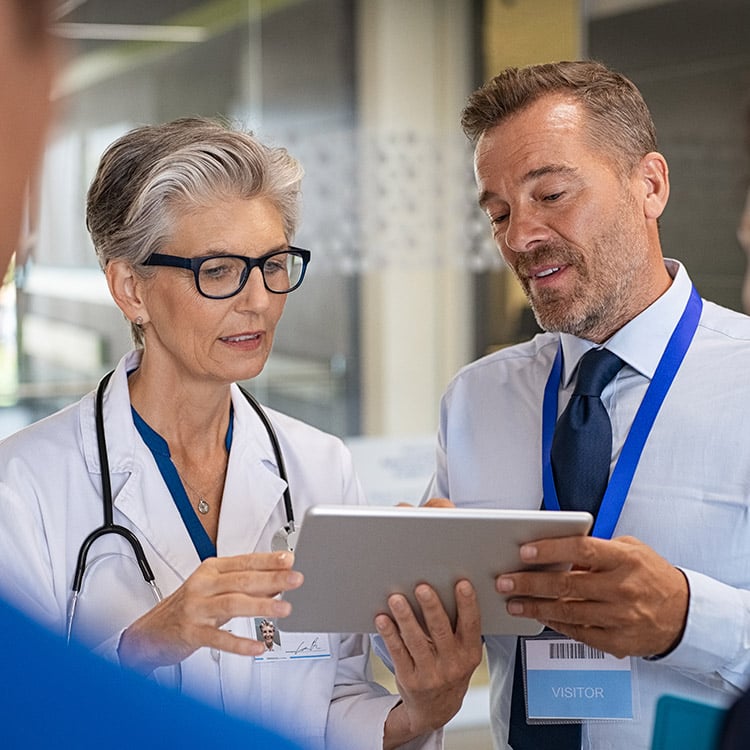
(619, 122)
(151, 175)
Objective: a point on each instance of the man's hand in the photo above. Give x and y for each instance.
(620, 597)
(433, 665)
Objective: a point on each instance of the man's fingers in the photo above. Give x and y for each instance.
(565, 584)
(399, 654)
(469, 618)
(580, 551)
(415, 640)
(436, 619)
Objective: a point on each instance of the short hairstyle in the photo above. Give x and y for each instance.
(619, 122)
(151, 175)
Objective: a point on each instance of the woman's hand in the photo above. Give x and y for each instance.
(220, 588)
(433, 665)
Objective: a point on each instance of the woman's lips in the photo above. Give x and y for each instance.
(240, 337)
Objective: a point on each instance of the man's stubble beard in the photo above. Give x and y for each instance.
(599, 303)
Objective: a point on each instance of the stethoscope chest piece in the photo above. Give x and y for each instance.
(285, 539)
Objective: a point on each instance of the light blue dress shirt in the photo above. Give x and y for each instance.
(690, 497)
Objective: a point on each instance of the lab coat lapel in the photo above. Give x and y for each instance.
(137, 486)
(147, 503)
(252, 507)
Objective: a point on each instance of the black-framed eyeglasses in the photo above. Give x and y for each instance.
(222, 276)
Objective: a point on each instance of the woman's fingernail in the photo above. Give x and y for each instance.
(295, 578)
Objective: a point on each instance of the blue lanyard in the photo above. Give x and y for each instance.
(160, 450)
(624, 471)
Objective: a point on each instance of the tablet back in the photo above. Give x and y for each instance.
(353, 558)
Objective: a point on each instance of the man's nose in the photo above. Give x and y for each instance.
(525, 230)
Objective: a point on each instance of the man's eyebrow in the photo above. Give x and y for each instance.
(532, 174)
(486, 195)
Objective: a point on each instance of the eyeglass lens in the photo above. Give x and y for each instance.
(223, 276)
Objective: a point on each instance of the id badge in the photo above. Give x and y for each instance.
(281, 646)
(568, 681)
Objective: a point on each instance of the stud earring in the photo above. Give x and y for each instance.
(139, 321)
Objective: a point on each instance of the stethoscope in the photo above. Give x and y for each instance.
(284, 539)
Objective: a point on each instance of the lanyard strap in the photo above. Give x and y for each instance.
(160, 450)
(624, 471)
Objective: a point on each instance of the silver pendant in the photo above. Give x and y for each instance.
(203, 506)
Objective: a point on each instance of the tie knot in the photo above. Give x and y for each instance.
(596, 369)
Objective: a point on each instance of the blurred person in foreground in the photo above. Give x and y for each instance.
(63, 694)
(60, 694)
(569, 176)
(28, 62)
(192, 223)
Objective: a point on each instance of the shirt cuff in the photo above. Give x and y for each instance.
(716, 630)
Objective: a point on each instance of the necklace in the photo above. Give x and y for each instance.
(203, 505)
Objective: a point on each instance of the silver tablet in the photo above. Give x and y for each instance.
(353, 558)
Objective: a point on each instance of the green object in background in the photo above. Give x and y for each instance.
(682, 724)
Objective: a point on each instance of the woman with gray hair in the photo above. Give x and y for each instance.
(192, 223)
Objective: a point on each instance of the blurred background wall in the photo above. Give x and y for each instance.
(405, 285)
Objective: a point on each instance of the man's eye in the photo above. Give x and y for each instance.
(499, 219)
(552, 197)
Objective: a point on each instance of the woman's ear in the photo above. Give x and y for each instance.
(126, 288)
(654, 173)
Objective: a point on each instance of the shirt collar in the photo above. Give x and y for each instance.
(641, 342)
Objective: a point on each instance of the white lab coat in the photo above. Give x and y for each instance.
(50, 499)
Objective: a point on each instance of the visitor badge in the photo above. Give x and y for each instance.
(568, 681)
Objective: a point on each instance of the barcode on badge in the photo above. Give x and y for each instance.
(571, 650)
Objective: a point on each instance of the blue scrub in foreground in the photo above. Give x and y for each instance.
(66, 696)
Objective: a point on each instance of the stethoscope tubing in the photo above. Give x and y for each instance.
(110, 527)
(260, 411)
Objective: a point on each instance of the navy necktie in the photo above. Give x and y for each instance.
(581, 454)
(582, 444)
